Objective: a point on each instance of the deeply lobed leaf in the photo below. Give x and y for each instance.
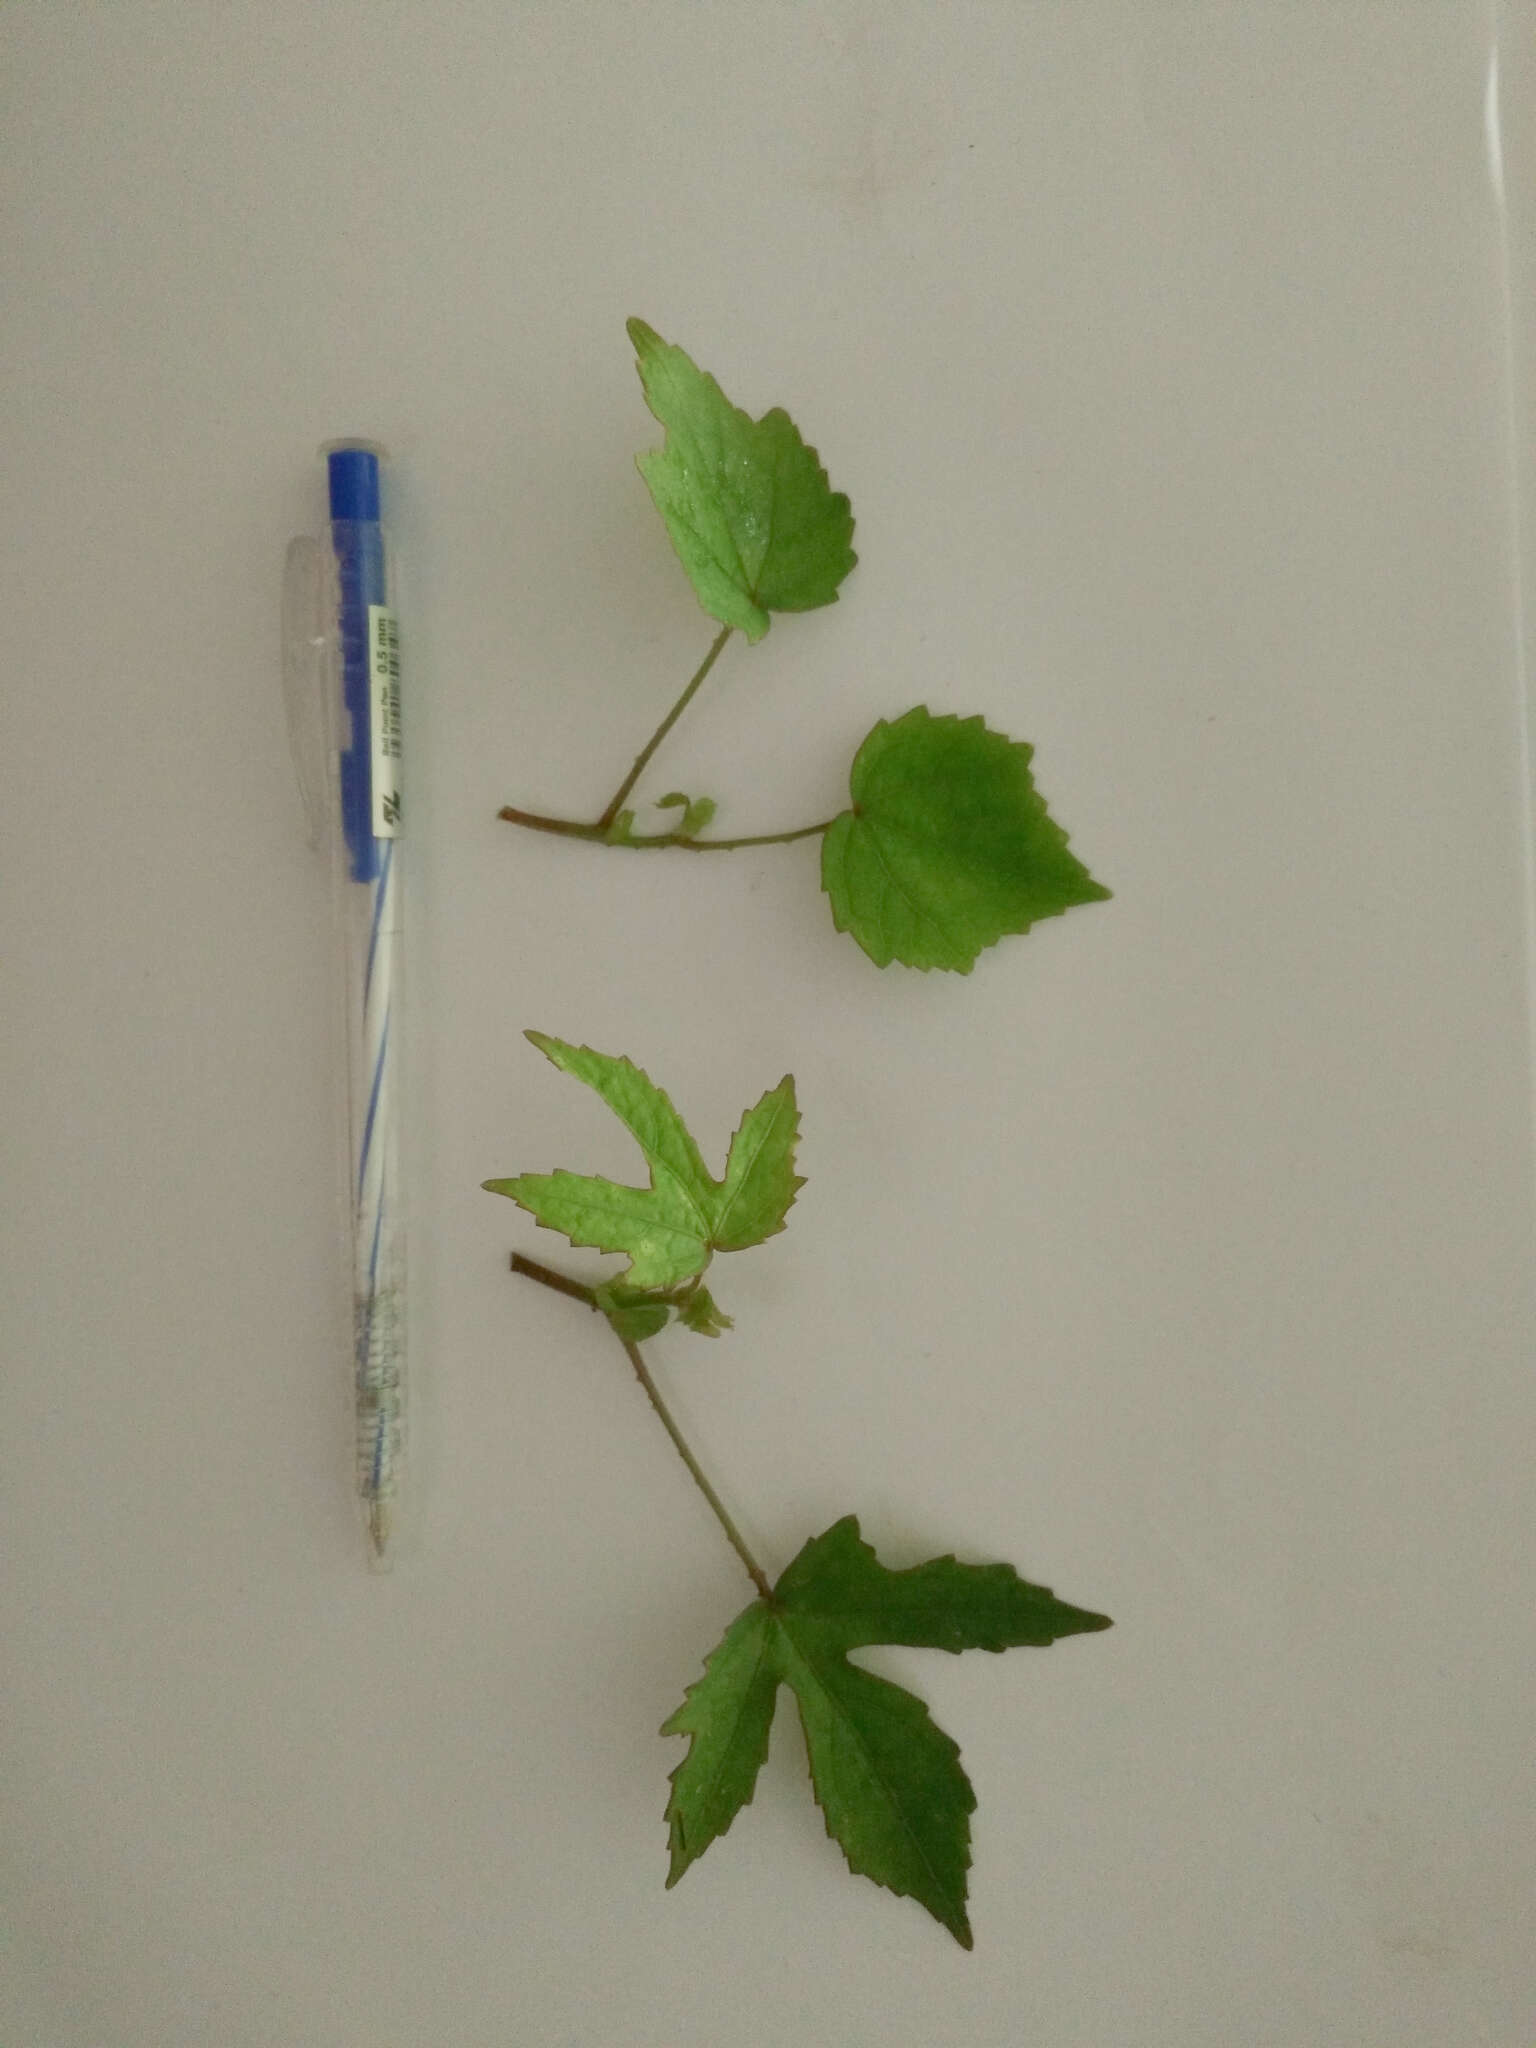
(672, 1228)
(888, 1780)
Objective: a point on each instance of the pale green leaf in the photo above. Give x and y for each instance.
(697, 811)
(746, 502)
(657, 1226)
(760, 1181)
(672, 1228)
(698, 1311)
(644, 1110)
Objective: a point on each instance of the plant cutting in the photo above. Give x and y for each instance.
(946, 845)
(888, 1780)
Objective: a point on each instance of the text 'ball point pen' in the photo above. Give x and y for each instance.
(342, 680)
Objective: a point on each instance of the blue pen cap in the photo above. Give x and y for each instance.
(354, 480)
(357, 539)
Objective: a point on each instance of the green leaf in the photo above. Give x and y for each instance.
(727, 1713)
(948, 845)
(941, 1605)
(888, 1780)
(697, 811)
(697, 1310)
(760, 1180)
(638, 1313)
(634, 1313)
(655, 1225)
(746, 502)
(644, 1109)
(672, 1228)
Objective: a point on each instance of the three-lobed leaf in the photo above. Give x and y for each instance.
(888, 1780)
(672, 1228)
(948, 845)
(746, 502)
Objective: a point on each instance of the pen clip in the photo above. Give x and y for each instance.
(309, 657)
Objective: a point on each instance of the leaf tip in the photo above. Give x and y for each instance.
(643, 337)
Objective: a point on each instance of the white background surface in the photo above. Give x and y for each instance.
(1180, 1255)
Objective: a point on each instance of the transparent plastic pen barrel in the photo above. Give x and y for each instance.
(369, 887)
(378, 1222)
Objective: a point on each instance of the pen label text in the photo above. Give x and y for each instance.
(384, 720)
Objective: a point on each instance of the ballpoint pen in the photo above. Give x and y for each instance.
(342, 683)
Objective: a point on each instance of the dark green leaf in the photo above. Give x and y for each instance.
(727, 1713)
(888, 1781)
(948, 845)
(940, 1605)
(886, 1777)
